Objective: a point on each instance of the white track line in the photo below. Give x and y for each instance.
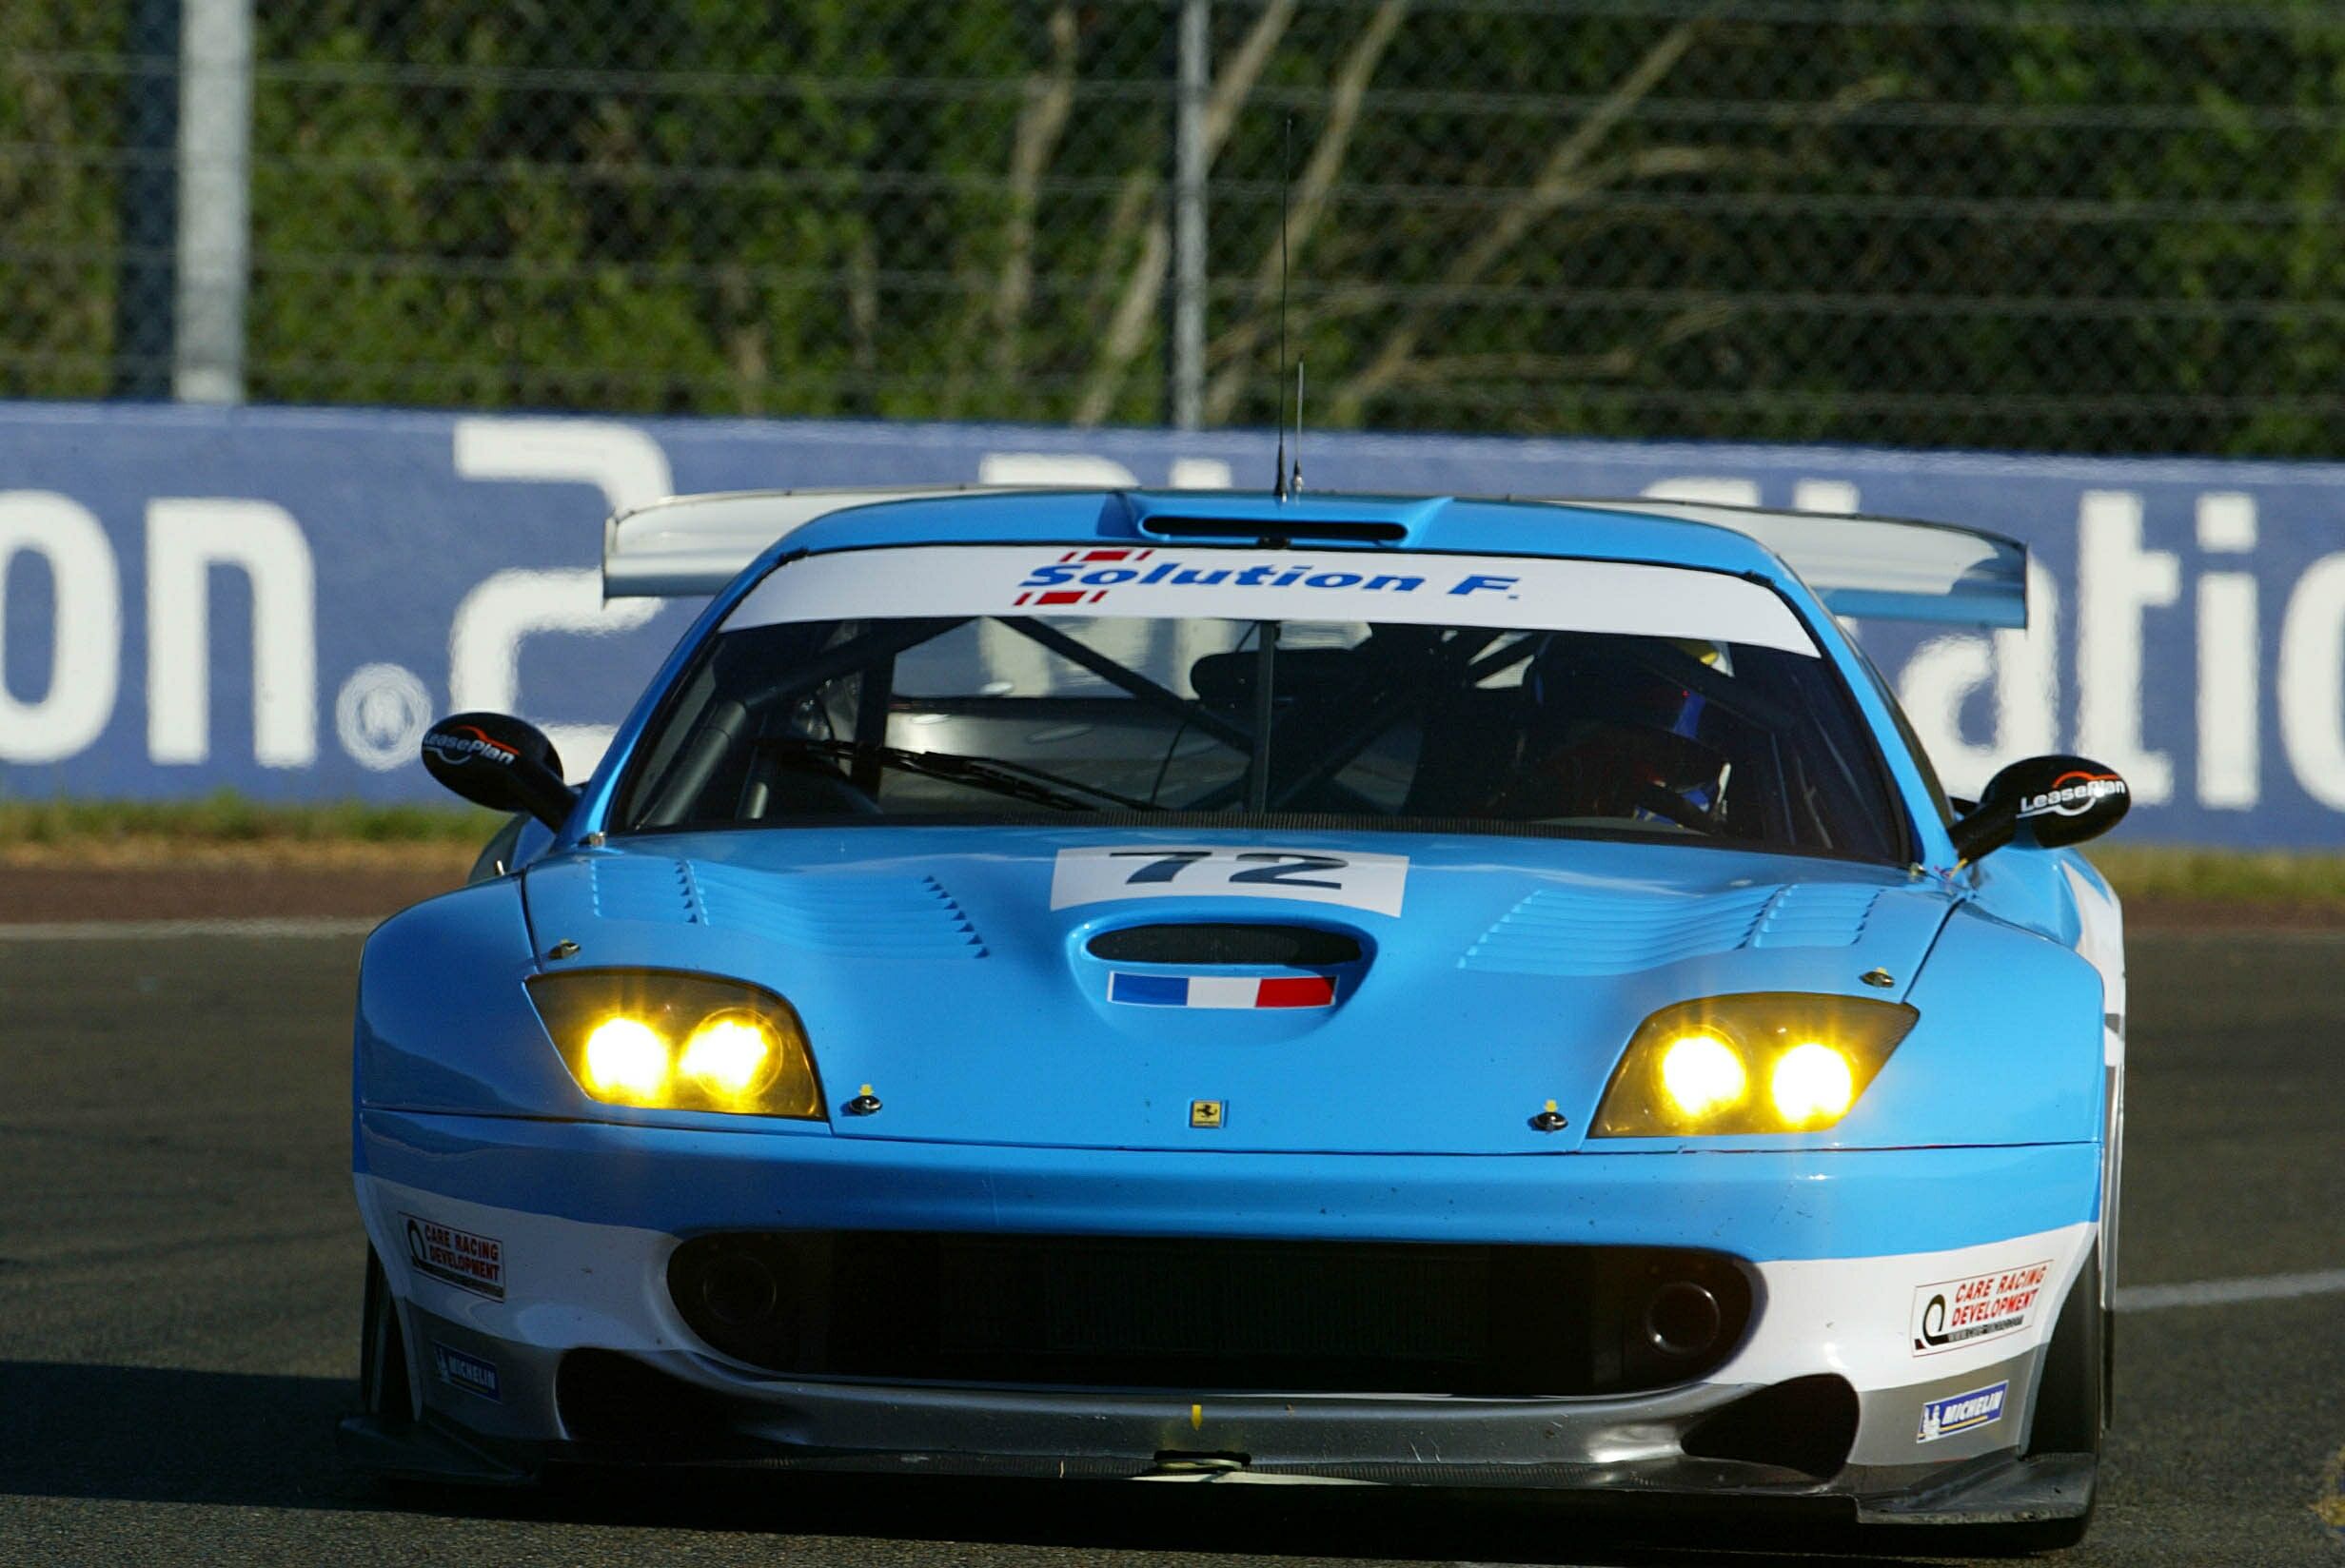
(2309, 935)
(151, 931)
(2137, 1298)
(2265, 1287)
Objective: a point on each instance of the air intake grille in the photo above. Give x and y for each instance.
(1154, 1312)
(1200, 942)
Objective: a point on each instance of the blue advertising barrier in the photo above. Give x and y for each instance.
(278, 601)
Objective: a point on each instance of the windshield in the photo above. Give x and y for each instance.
(974, 707)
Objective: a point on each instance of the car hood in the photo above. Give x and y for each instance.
(951, 970)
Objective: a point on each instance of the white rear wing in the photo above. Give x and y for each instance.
(1886, 568)
(688, 546)
(1879, 567)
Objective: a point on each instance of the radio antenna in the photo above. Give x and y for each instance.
(1294, 478)
(1278, 470)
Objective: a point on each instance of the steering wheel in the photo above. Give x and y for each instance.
(837, 788)
(1667, 803)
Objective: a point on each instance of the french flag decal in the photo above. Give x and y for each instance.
(1221, 991)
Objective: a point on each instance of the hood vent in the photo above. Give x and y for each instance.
(1208, 945)
(860, 916)
(634, 886)
(1814, 916)
(1595, 931)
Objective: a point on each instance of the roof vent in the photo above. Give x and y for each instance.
(1262, 530)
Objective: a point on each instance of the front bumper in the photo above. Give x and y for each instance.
(1998, 1489)
(584, 1219)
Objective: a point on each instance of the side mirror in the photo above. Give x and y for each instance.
(500, 762)
(2045, 803)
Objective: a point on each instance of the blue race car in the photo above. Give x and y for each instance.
(1120, 984)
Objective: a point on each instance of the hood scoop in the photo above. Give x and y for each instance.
(857, 915)
(1214, 945)
(1602, 930)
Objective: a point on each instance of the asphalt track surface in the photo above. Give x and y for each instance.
(180, 1276)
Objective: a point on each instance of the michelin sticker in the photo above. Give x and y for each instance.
(1348, 877)
(1955, 1314)
(471, 1263)
(1962, 1412)
(469, 1373)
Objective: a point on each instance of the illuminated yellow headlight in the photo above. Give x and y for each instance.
(1811, 1085)
(666, 1041)
(1690, 1069)
(625, 1061)
(731, 1055)
(1702, 1075)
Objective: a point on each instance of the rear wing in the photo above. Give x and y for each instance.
(688, 546)
(1879, 567)
(1886, 568)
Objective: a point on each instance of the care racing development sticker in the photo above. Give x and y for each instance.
(1348, 877)
(458, 1257)
(469, 1373)
(1955, 1314)
(1962, 1412)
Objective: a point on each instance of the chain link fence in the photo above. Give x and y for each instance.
(2106, 226)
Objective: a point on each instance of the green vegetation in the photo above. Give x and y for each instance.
(2266, 877)
(2068, 228)
(2145, 873)
(228, 818)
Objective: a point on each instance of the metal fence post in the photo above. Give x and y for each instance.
(215, 201)
(2114, 237)
(147, 203)
(1188, 174)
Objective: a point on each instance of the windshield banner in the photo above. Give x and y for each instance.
(280, 601)
(1157, 584)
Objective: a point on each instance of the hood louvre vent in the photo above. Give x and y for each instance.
(1600, 930)
(1814, 916)
(848, 916)
(645, 887)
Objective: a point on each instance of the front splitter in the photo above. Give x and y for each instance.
(1998, 1490)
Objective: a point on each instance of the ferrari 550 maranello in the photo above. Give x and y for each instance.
(1114, 983)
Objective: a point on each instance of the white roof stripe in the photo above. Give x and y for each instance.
(1174, 581)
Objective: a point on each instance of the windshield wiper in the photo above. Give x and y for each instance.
(1015, 779)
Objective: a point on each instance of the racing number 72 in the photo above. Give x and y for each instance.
(1163, 865)
(1278, 868)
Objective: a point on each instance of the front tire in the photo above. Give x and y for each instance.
(384, 1388)
(2071, 1403)
(2069, 1419)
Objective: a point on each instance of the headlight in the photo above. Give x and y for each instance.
(1769, 1062)
(678, 1042)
